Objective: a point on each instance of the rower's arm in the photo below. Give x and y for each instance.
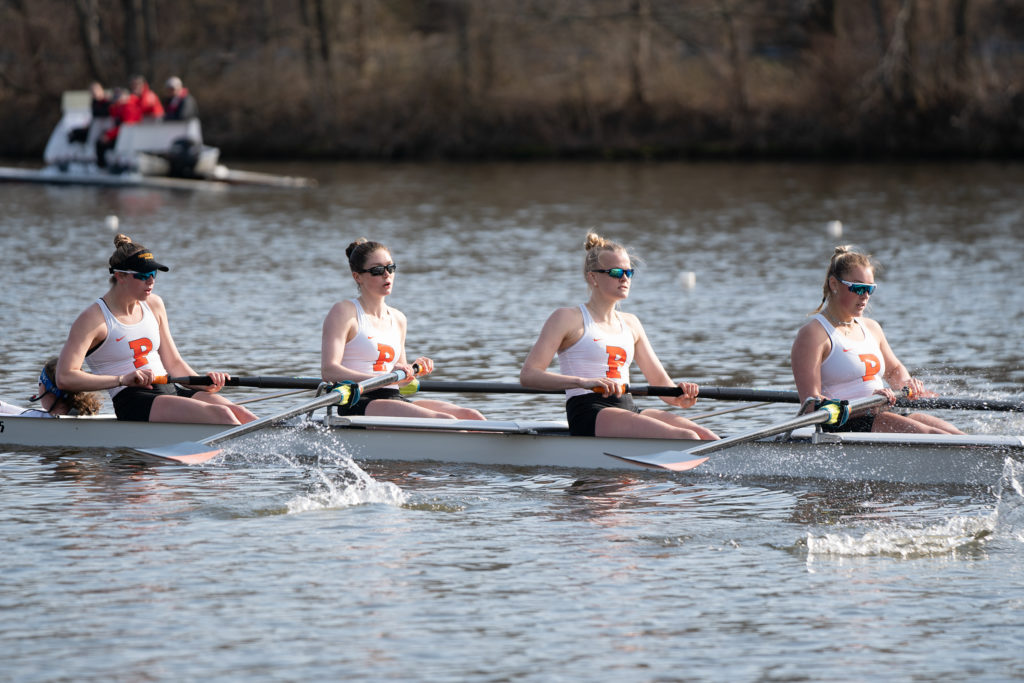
(806, 356)
(563, 329)
(339, 327)
(88, 330)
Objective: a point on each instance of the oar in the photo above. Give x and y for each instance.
(736, 409)
(709, 392)
(255, 382)
(680, 461)
(951, 403)
(717, 393)
(267, 397)
(193, 452)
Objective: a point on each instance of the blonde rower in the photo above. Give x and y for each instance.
(596, 344)
(841, 354)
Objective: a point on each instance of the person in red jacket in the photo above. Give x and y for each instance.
(148, 101)
(124, 111)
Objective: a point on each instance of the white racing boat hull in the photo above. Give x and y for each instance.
(910, 459)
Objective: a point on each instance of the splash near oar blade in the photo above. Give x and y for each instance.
(665, 460)
(194, 452)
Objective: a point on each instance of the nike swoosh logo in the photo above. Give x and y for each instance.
(119, 338)
(369, 336)
(597, 339)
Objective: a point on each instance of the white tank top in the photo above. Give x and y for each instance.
(854, 368)
(127, 347)
(598, 354)
(373, 350)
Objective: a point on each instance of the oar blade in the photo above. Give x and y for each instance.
(185, 452)
(665, 460)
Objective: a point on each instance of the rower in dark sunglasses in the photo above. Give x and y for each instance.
(843, 355)
(595, 345)
(364, 337)
(125, 340)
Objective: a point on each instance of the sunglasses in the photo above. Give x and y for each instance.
(380, 270)
(139, 276)
(616, 273)
(859, 288)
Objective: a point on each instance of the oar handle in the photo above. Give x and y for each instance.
(254, 382)
(268, 382)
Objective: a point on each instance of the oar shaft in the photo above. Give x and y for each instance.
(336, 395)
(716, 393)
(944, 403)
(707, 392)
(812, 418)
(254, 382)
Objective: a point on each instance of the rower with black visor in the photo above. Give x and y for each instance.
(125, 340)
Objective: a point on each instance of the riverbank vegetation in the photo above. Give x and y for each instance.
(390, 79)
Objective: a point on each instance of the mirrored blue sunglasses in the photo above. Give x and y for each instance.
(616, 273)
(859, 288)
(139, 276)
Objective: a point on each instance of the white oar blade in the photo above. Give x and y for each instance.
(186, 452)
(666, 460)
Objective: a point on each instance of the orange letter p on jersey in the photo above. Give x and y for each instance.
(616, 359)
(385, 354)
(871, 366)
(141, 347)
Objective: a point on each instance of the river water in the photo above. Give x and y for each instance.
(257, 567)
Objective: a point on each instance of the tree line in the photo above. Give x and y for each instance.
(470, 79)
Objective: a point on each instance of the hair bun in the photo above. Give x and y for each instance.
(593, 240)
(355, 243)
(122, 239)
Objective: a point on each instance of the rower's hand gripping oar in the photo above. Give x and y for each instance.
(193, 452)
(680, 461)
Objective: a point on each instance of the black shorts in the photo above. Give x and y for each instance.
(135, 403)
(582, 411)
(360, 407)
(861, 423)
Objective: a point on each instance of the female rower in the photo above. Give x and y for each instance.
(595, 344)
(840, 354)
(52, 400)
(125, 339)
(364, 337)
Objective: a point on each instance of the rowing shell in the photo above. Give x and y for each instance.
(901, 458)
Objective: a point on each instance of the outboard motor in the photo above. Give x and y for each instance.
(183, 157)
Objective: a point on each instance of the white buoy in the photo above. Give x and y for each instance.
(112, 222)
(834, 228)
(688, 279)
